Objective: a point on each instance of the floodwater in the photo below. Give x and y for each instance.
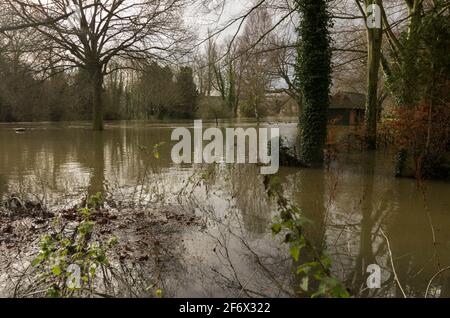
(359, 213)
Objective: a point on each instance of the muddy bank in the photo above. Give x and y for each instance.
(149, 243)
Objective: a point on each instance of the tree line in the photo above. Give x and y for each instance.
(155, 91)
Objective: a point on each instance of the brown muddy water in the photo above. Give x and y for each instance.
(232, 252)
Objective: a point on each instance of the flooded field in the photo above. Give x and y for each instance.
(223, 246)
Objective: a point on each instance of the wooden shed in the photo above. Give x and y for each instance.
(347, 108)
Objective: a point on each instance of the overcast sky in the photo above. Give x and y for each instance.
(202, 21)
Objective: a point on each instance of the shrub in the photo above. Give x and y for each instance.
(422, 138)
(67, 263)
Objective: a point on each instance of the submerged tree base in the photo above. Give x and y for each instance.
(423, 167)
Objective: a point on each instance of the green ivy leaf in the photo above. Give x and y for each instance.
(36, 261)
(295, 252)
(159, 293)
(276, 228)
(305, 284)
(305, 268)
(56, 270)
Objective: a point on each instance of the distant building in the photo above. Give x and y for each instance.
(279, 103)
(347, 108)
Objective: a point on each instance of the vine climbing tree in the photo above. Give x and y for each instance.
(313, 77)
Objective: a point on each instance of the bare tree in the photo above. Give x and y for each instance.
(100, 31)
(257, 62)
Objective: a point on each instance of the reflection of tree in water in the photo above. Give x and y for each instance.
(418, 234)
(309, 195)
(396, 206)
(354, 227)
(70, 160)
(365, 256)
(97, 178)
(251, 198)
(241, 257)
(316, 193)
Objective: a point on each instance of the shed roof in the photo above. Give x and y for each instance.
(348, 100)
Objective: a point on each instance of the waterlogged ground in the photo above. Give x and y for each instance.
(205, 230)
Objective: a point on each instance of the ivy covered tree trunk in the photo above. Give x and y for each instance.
(374, 40)
(313, 78)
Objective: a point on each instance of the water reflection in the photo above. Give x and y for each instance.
(251, 199)
(348, 205)
(97, 178)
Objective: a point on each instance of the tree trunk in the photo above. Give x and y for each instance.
(313, 77)
(374, 39)
(96, 78)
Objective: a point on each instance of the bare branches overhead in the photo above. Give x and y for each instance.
(95, 32)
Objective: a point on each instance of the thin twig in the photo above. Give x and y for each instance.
(434, 277)
(392, 263)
